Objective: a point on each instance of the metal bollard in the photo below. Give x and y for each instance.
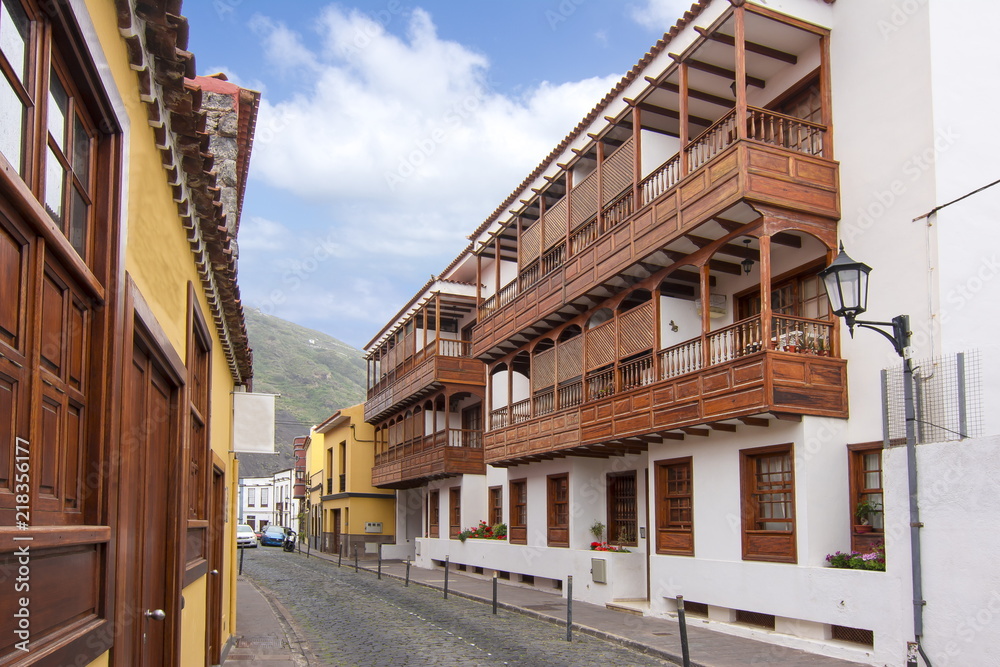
(355, 557)
(340, 555)
(682, 621)
(243, 550)
(494, 592)
(447, 560)
(380, 562)
(407, 584)
(569, 608)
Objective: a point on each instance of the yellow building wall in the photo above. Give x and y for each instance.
(160, 262)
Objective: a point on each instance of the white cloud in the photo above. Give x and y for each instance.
(659, 15)
(403, 135)
(259, 233)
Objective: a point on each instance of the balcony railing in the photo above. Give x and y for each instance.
(680, 359)
(762, 126)
(406, 365)
(343, 483)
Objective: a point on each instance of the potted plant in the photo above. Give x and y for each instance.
(863, 513)
(821, 347)
(597, 530)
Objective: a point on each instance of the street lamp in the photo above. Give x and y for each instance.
(846, 283)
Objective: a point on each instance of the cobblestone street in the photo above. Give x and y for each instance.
(348, 618)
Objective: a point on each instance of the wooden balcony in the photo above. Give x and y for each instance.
(442, 362)
(714, 380)
(778, 165)
(444, 454)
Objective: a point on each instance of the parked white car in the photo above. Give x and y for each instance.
(245, 537)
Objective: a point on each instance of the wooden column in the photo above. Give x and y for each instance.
(636, 158)
(765, 289)
(479, 280)
(683, 118)
(437, 323)
(658, 333)
(496, 261)
(569, 210)
(826, 97)
(705, 285)
(739, 14)
(600, 187)
(510, 391)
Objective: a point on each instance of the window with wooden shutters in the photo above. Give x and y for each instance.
(768, 504)
(674, 507)
(496, 505)
(558, 510)
(433, 513)
(622, 509)
(199, 348)
(54, 364)
(455, 511)
(518, 529)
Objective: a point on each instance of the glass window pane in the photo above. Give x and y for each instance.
(12, 127)
(81, 152)
(58, 103)
(77, 232)
(55, 177)
(14, 36)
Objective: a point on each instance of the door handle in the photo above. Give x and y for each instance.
(155, 614)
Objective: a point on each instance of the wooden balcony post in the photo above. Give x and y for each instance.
(683, 118)
(741, 71)
(479, 280)
(510, 392)
(496, 262)
(765, 289)
(825, 86)
(600, 187)
(437, 323)
(636, 157)
(705, 286)
(658, 333)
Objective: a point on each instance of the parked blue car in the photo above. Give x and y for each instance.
(274, 536)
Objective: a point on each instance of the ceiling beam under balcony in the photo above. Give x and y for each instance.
(722, 72)
(752, 47)
(714, 264)
(694, 93)
(670, 113)
(755, 421)
(731, 249)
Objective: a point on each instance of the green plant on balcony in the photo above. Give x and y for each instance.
(597, 530)
(865, 512)
(855, 560)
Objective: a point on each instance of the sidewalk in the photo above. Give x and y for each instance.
(654, 636)
(263, 638)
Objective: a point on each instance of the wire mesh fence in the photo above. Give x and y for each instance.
(947, 399)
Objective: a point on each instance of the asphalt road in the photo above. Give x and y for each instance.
(347, 619)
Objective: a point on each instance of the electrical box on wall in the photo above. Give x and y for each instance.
(599, 570)
(373, 527)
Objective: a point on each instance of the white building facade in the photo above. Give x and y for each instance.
(268, 501)
(727, 450)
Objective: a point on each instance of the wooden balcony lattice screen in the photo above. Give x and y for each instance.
(601, 345)
(570, 358)
(529, 245)
(635, 330)
(543, 370)
(555, 223)
(584, 199)
(617, 172)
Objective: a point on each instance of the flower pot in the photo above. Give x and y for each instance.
(862, 528)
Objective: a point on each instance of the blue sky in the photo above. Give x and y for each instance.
(389, 130)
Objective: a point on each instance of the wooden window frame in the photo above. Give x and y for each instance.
(759, 543)
(557, 532)
(792, 277)
(674, 537)
(433, 513)
(198, 452)
(856, 471)
(454, 512)
(495, 505)
(615, 523)
(517, 530)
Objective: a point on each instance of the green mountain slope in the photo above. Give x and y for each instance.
(315, 375)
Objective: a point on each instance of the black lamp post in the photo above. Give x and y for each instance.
(846, 283)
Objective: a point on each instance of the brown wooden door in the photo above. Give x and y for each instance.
(336, 531)
(216, 537)
(151, 447)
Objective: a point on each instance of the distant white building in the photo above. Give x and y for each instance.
(268, 500)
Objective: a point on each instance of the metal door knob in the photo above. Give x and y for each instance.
(214, 572)
(156, 614)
